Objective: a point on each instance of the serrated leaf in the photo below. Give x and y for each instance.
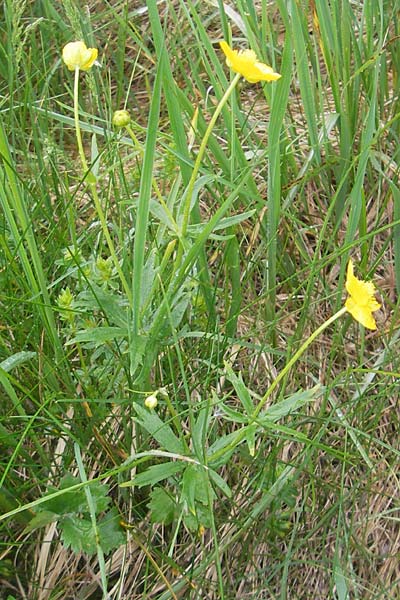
(156, 473)
(200, 519)
(78, 534)
(159, 430)
(162, 507)
(41, 519)
(75, 501)
(110, 531)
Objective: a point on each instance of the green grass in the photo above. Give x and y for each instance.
(109, 293)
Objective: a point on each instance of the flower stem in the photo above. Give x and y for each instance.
(77, 124)
(93, 189)
(296, 357)
(203, 145)
(243, 431)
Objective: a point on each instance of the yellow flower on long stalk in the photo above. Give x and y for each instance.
(77, 55)
(247, 64)
(361, 302)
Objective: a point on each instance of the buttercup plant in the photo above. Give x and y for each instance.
(245, 64)
(77, 57)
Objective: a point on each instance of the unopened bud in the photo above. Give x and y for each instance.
(151, 401)
(121, 118)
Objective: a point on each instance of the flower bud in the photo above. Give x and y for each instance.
(121, 118)
(151, 401)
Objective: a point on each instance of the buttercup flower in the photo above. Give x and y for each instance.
(361, 302)
(247, 64)
(77, 55)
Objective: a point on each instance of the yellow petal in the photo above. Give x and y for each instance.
(247, 64)
(360, 313)
(77, 55)
(361, 302)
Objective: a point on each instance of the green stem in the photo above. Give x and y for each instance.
(202, 149)
(195, 172)
(77, 124)
(242, 432)
(93, 189)
(296, 357)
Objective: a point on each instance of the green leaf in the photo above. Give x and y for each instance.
(75, 501)
(221, 483)
(290, 404)
(189, 482)
(161, 506)
(110, 531)
(251, 438)
(99, 335)
(159, 430)
(241, 390)
(78, 535)
(156, 473)
(201, 518)
(15, 360)
(42, 519)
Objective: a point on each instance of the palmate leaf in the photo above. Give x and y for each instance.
(79, 535)
(162, 506)
(75, 501)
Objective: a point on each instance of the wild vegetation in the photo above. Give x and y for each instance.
(199, 282)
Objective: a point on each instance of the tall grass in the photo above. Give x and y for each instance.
(232, 486)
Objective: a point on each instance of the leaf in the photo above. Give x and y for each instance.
(200, 429)
(159, 430)
(149, 273)
(75, 501)
(99, 335)
(225, 223)
(155, 473)
(288, 405)
(189, 482)
(200, 519)
(251, 438)
(232, 415)
(224, 443)
(15, 360)
(161, 506)
(241, 390)
(221, 483)
(42, 519)
(110, 304)
(110, 531)
(78, 534)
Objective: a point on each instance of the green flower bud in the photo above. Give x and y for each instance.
(151, 401)
(121, 118)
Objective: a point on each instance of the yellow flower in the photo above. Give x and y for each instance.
(77, 55)
(247, 64)
(361, 302)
